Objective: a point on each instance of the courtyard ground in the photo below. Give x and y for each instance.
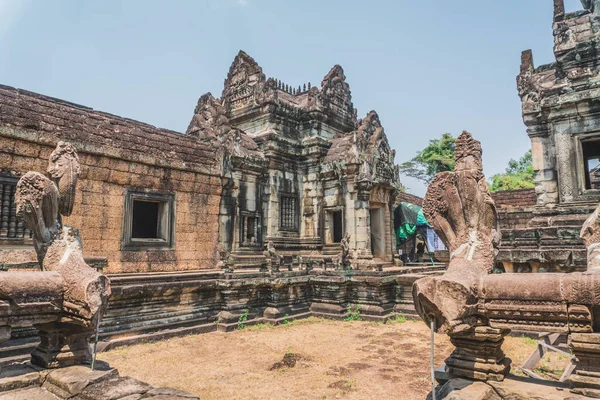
(307, 359)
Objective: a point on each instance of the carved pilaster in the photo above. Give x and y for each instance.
(566, 183)
(12, 218)
(5, 199)
(478, 354)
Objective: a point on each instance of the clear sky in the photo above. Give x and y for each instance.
(427, 67)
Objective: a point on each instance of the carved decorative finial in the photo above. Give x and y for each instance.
(308, 85)
(559, 10)
(304, 88)
(526, 61)
(465, 147)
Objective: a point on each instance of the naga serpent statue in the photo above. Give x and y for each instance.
(477, 308)
(76, 293)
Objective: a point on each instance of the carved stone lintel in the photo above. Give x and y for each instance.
(62, 345)
(478, 355)
(586, 380)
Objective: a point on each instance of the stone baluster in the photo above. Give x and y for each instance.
(1, 213)
(12, 218)
(5, 198)
(20, 228)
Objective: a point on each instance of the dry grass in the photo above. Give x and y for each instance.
(332, 359)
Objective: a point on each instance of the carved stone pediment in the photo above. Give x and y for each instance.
(245, 77)
(335, 91)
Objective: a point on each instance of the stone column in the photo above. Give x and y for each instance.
(478, 355)
(362, 226)
(546, 187)
(566, 182)
(586, 348)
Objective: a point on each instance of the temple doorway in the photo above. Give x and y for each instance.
(338, 226)
(377, 233)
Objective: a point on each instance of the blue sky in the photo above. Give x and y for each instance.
(425, 67)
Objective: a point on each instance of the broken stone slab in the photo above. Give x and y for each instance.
(35, 393)
(517, 388)
(464, 389)
(71, 381)
(19, 376)
(169, 394)
(79, 382)
(113, 389)
(512, 388)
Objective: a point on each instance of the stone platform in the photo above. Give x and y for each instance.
(148, 307)
(79, 382)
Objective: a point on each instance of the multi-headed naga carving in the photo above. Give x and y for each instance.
(66, 300)
(477, 309)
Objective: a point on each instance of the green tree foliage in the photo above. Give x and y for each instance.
(438, 156)
(518, 175)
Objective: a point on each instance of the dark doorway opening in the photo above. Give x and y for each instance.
(338, 226)
(591, 163)
(377, 233)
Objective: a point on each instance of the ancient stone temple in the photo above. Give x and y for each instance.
(561, 105)
(298, 168)
(274, 204)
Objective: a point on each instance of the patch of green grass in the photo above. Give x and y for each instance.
(285, 319)
(260, 327)
(243, 318)
(353, 313)
(398, 319)
(303, 321)
(528, 340)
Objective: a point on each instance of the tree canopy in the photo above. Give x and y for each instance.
(438, 156)
(518, 175)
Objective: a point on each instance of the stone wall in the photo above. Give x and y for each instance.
(522, 198)
(515, 207)
(116, 154)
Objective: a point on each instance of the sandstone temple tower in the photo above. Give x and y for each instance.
(561, 110)
(298, 168)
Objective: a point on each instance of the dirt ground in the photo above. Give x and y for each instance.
(309, 359)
